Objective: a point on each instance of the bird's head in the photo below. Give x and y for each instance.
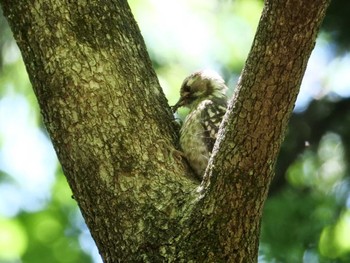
(199, 86)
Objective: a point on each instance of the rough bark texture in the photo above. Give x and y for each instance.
(115, 138)
(254, 129)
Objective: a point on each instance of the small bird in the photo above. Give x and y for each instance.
(203, 92)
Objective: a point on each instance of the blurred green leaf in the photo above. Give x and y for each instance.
(13, 239)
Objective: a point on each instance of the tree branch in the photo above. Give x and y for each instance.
(241, 168)
(108, 119)
(115, 138)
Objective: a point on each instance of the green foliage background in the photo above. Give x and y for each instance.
(307, 215)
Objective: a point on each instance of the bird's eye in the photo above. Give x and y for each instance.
(186, 89)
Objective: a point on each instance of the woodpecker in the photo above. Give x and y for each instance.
(203, 92)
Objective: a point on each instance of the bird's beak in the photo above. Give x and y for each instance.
(178, 105)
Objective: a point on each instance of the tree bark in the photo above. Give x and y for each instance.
(117, 143)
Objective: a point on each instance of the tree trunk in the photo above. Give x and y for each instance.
(116, 140)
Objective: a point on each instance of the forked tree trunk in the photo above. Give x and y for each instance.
(116, 141)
